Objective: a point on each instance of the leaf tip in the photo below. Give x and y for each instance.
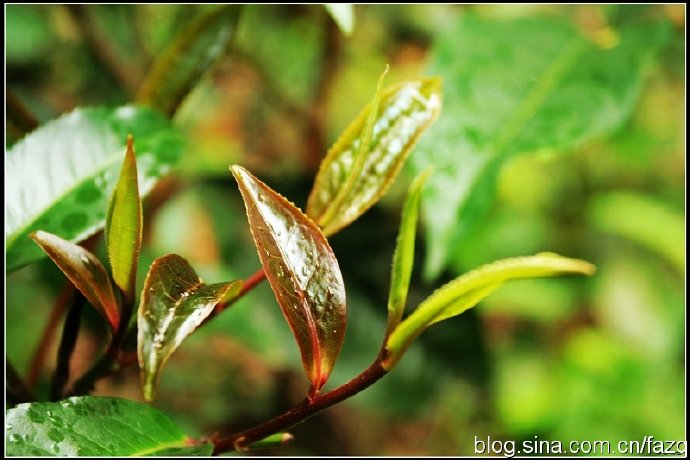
(574, 266)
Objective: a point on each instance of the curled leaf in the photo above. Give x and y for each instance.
(123, 226)
(84, 270)
(469, 289)
(343, 190)
(302, 271)
(403, 258)
(173, 303)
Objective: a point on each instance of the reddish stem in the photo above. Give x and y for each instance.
(249, 284)
(302, 411)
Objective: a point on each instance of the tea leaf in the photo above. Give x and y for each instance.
(84, 270)
(123, 226)
(344, 189)
(174, 302)
(302, 271)
(469, 289)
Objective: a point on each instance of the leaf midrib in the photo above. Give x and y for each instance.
(542, 89)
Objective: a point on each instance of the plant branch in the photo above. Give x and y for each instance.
(41, 352)
(16, 390)
(330, 57)
(87, 381)
(250, 283)
(103, 50)
(19, 119)
(302, 411)
(69, 339)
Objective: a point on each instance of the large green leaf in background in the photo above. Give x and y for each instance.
(59, 178)
(515, 86)
(88, 425)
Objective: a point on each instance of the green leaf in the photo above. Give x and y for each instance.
(59, 177)
(343, 14)
(174, 302)
(515, 86)
(198, 47)
(302, 271)
(343, 189)
(91, 426)
(274, 440)
(469, 289)
(403, 258)
(358, 162)
(85, 271)
(643, 220)
(123, 226)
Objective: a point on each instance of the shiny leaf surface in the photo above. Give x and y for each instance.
(123, 226)
(84, 270)
(176, 71)
(174, 302)
(469, 289)
(59, 177)
(94, 426)
(403, 258)
(405, 111)
(302, 271)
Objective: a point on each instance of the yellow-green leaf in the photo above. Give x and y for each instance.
(174, 302)
(344, 189)
(403, 258)
(302, 271)
(84, 270)
(469, 289)
(123, 226)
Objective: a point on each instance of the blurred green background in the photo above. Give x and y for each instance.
(590, 164)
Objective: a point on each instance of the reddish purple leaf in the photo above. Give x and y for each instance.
(302, 271)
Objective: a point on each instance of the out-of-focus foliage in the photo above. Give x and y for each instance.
(598, 358)
(90, 426)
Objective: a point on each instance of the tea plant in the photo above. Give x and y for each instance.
(84, 185)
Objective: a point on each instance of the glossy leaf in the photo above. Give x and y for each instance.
(343, 14)
(197, 48)
(406, 110)
(519, 86)
(403, 258)
(85, 271)
(94, 426)
(123, 226)
(59, 177)
(469, 289)
(174, 302)
(358, 160)
(302, 271)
